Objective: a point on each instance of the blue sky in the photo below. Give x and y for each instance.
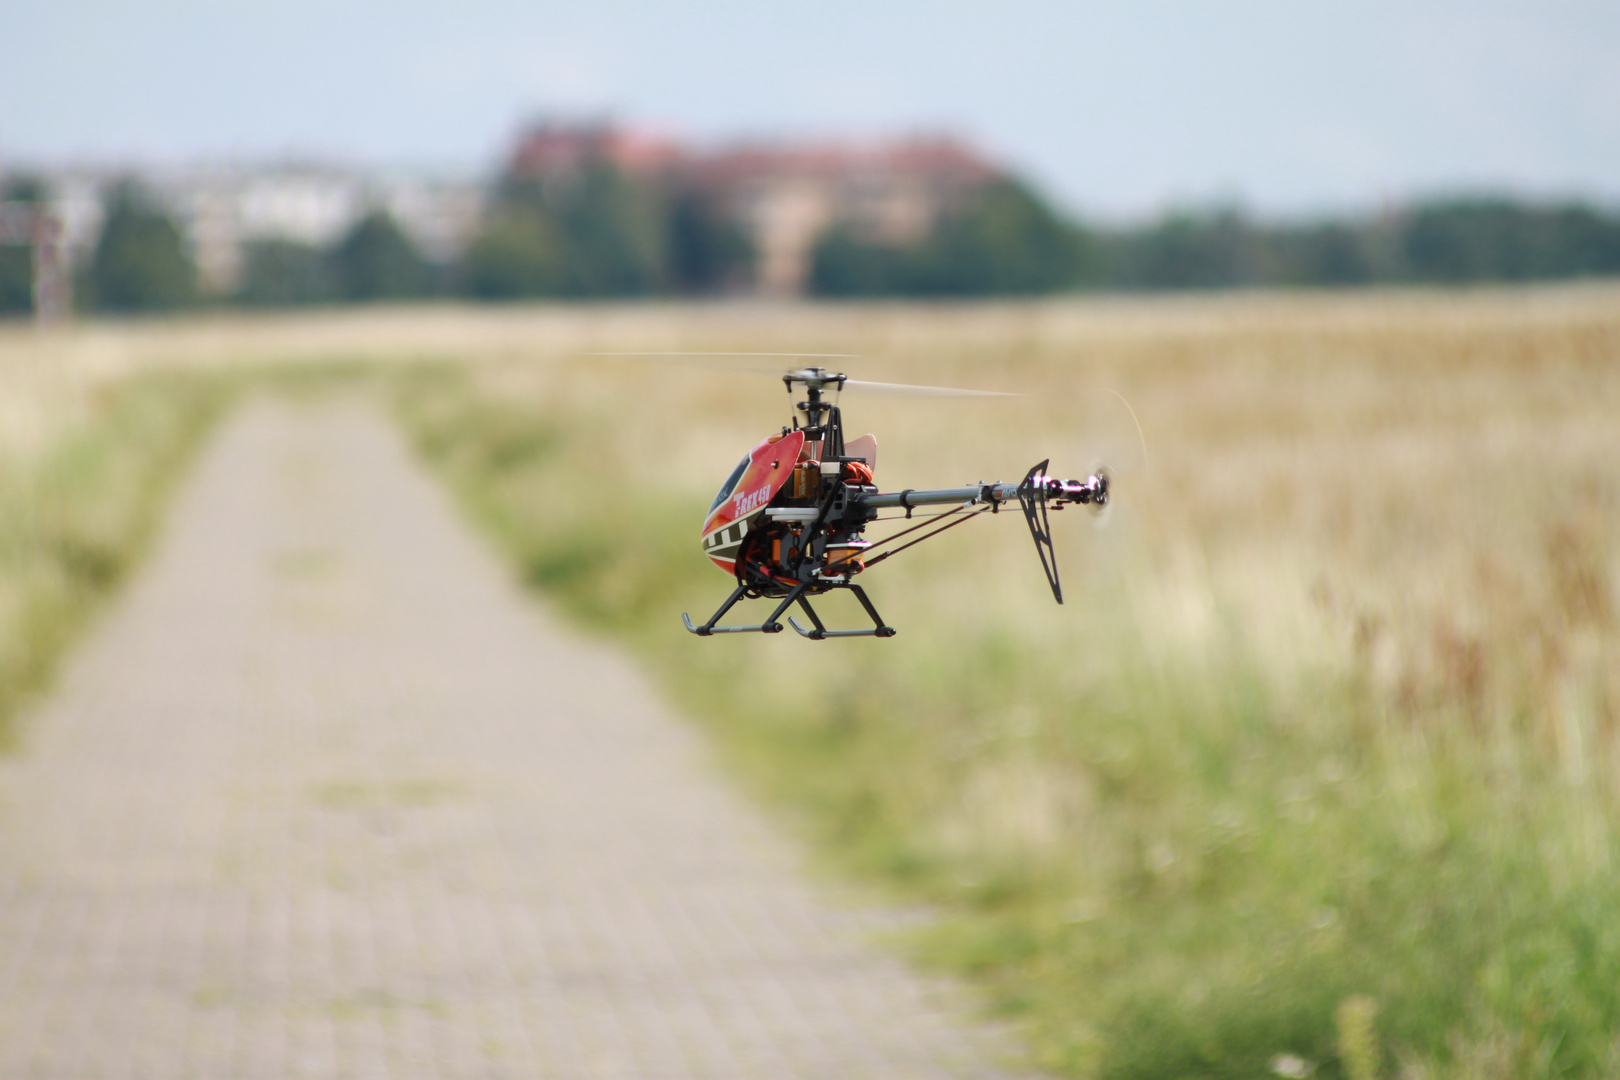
(1115, 108)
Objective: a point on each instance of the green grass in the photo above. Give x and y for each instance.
(1159, 860)
(76, 514)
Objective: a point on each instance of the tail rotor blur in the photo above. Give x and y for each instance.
(1112, 444)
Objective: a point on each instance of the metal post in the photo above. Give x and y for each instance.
(37, 226)
(53, 277)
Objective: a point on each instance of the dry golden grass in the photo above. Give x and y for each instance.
(1418, 487)
(1329, 726)
(1330, 716)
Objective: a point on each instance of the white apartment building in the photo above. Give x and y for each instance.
(221, 209)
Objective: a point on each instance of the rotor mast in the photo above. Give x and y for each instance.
(822, 420)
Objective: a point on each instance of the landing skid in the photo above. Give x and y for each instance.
(798, 595)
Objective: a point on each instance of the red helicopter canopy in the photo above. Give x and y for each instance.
(745, 494)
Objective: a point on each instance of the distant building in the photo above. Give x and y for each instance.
(222, 209)
(78, 197)
(440, 216)
(786, 195)
(558, 151)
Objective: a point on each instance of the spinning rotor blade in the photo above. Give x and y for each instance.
(698, 358)
(1111, 442)
(722, 361)
(689, 357)
(921, 391)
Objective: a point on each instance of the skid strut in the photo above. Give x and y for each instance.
(799, 594)
(769, 626)
(820, 632)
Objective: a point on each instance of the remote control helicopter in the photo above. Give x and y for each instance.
(789, 522)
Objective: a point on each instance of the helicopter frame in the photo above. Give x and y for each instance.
(796, 548)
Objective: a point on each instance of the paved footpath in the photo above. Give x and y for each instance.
(325, 796)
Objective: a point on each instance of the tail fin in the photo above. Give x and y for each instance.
(1032, 499)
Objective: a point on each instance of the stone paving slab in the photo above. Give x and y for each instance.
(325, 796)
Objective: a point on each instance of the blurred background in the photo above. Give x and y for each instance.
(1317, 771)
(182, 154)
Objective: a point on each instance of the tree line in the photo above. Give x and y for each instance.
(598, 234)
(1009, 243)
(601, 233)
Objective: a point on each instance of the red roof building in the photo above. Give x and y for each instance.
(786, 195)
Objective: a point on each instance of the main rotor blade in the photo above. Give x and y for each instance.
(1141, 436)
(697, 358)
(1109, 438)
(722, 361)
(806, 355)
(922, 391)
(1108, 432)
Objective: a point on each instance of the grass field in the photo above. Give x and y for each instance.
(1316, 770)
(87, 453)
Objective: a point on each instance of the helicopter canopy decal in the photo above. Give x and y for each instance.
(729, 486)
(751, 486)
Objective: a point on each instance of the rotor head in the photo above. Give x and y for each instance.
(814, 378)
